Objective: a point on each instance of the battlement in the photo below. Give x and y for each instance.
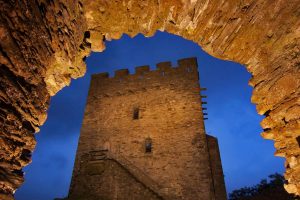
(184, 66)
(151, 116)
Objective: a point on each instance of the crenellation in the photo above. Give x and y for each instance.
(141, 70)
(101, 75)
(164, 66)
(164, 72)
(46, 45)
(125, 111)
(120, 73)
(188, 62)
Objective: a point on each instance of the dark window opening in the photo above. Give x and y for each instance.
(298, 140)
(136, 113)
(87, 34)
(148, 145)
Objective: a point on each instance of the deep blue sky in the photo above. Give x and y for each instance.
(246, 157)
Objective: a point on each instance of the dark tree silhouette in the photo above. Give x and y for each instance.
(272, 190)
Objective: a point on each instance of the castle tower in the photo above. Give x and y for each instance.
(143, 137)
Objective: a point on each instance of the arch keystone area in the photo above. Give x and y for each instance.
(44, 44)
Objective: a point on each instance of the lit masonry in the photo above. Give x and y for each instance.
(143, 137)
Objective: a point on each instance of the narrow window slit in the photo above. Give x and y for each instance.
(148, 145)
(136, 112)
(298, 140)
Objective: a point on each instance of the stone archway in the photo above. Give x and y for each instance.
(44, 44)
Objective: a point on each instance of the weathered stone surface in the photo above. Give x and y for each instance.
(123, 113)
(216, 168)
(43, 43)
(39, 40)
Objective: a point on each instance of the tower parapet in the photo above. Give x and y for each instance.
(185, 67)
(143, 137)
(164, 75)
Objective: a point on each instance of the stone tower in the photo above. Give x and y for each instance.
(143, 137)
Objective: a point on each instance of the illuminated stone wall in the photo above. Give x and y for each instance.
(216, 168)
(169, 113)
(44, 43)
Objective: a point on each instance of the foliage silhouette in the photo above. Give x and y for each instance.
(272, 190)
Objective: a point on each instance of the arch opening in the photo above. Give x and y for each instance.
(227, 95)
(35, 66)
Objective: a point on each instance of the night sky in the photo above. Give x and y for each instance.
(246, 156)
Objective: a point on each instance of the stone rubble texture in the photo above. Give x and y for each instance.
(184, 162)
(44, 44)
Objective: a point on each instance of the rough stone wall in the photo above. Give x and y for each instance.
(216, 168)
(43, 43)
(34, 35)
(170, 113)
(107, 179)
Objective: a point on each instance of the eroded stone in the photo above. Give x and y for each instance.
(44, 44)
